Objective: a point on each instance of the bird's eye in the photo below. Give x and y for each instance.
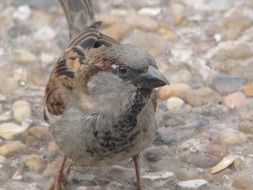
(122, 70)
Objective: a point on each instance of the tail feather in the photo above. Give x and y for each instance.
(79, 14)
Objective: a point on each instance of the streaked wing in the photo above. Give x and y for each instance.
(61, 81)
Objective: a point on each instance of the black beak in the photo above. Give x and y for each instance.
(153, 78)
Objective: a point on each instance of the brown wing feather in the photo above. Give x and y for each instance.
(61, 81)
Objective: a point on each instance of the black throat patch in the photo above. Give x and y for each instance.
(119, 136)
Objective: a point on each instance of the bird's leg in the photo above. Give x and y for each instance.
(137, 171)
(60, 179)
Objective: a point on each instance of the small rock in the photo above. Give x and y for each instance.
(186, 173)
(39, 132)
(166, 135)
(44, 34)
(116, 31)
(191, 146)
(6, 116)
(21, 110)
(141, 22)
(2, 98)
(23, 56)
(246, 121)
(11, 148)
(9, 130)
(174, 103)
(167, 34)
(2, 159)
(177, 90)
(52, 168)
(34, 162)
(9, 86)
(153, 154)
(152, 42)
(243, 182)
(52, 147)
(22, 13)
(149, 11)
(232, 137)
(196, 184)
(115, 186)
(85, 179)
(201, 96)
(17, 176)
(235, 100)
(19, 30)
(82, 188)
(227, 84)
(216, 150)
(202, 160)
(46, 58)
(248, 90)
(157, 179)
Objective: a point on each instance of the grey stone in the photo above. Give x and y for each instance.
(227, 84)
(196, 184)
(157, 179)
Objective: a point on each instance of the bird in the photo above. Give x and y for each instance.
(101, 98)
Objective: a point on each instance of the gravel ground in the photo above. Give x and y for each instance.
(205, 49)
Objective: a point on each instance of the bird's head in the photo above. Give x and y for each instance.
(111, 75)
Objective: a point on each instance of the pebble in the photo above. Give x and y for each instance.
(22, 13)
(11, 148)
(165, 135)
(17, 176)
(148, 11)
(6, 116)
(202, 160)
(236, 100)
(176, 89)
(174, 103)
(155, 44)
(202, 96)
(196, 184)
(191, 146)
(2, 98)
(21, 110)
(141, 22)
(115, 186)
(84, 178)
(39, 132)
(156, 179)
(231, 137)
(9, 86)
(52, 168)
(216, 150)
(243, 182)
(9, 130)
(44, 34)
(116, 31)
(187, 173)
(34, 162)
(23, 56)
(248, 90)
(227, 84)
(153, 154)
(246, 122)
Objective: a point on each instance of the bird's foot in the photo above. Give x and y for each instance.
(60, 180)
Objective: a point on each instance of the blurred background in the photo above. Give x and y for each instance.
(204, 48)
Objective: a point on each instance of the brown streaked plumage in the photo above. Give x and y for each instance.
(100, 99)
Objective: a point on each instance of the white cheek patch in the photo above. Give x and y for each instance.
(114, 66)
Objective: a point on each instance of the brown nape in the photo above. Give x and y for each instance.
(98, 60)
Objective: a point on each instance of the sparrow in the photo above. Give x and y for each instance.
(100, 100)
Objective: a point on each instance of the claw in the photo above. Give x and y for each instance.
(60, 180)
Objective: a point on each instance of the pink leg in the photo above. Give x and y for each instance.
(60, 180)
(137, 171)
